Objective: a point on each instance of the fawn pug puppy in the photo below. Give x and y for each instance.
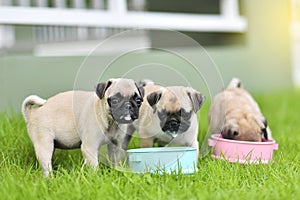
(83, 119)
(236, 115)
(168, 116)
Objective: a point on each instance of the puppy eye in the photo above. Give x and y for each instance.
(138, 101)
(114, 101)
(185, 115)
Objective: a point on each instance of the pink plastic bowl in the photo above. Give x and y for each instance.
(242, 151)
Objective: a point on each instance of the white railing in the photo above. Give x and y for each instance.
(7, 34)
(113, 15)
(295, 32)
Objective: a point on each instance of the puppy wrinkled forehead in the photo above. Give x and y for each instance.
(171, 102)
(125, 87)
(176, 98)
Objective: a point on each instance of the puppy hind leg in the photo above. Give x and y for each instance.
(44, 149)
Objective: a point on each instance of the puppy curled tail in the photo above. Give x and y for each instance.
(235, 83)
(29, 102)
(146, 82)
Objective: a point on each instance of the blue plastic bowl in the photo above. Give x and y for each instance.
(163, 160)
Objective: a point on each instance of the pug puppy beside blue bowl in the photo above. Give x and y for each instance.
(86, 120)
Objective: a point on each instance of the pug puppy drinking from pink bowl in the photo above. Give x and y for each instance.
(239, 131)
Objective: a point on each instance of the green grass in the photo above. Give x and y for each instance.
(21, 176)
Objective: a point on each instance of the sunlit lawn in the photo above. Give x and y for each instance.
(21, 176)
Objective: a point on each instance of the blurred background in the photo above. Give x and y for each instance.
(45, 43)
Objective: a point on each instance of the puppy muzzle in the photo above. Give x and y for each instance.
(172, 128)
(128, 115)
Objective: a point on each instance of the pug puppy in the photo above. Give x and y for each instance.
(168, 116)
(236, 115)
(82, 119)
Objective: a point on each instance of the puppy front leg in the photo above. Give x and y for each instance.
(129, 133)
(90, 149)
(146, 142)
(191, 140)
(90, 155)
(118, 140)
(116, 153)
(196, 145)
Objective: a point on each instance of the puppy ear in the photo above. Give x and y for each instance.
(197, 100)
(264, 129)
(145, 82)
(154, 97)
(102, 87)
(141, 90)
(265, 133)
(265, 122)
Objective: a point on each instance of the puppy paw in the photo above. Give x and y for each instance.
(229, 132)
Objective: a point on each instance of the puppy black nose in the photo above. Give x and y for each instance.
(173, 123)
(228, 133)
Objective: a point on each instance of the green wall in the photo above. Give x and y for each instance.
(264, 60)
(260, 57)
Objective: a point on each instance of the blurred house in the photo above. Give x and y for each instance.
(43, 43)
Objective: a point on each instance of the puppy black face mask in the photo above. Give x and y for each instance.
(124, 109)
(174, 123)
